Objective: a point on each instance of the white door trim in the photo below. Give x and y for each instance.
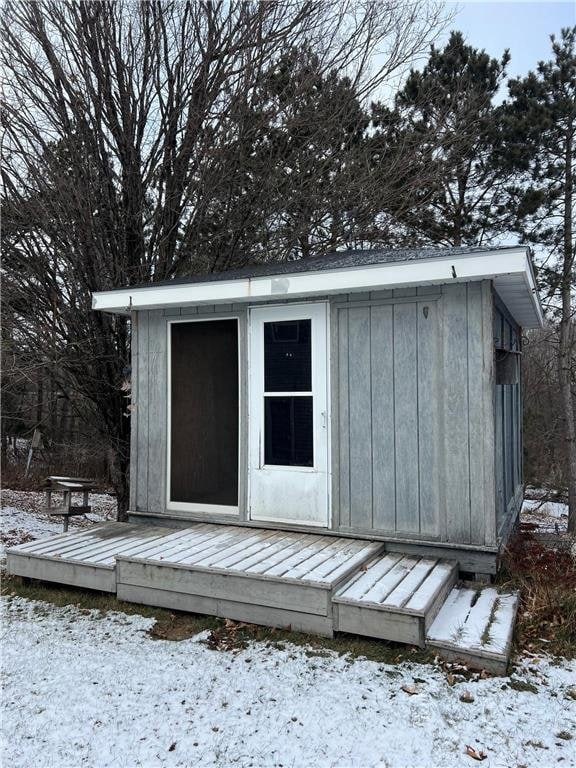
(258, 315)
(181, 506)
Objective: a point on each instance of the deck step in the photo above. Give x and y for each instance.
(475, 626)
(394, 597)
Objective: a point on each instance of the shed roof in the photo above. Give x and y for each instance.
(344, 271)
(328, 261)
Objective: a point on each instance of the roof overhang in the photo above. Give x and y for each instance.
(510, 270)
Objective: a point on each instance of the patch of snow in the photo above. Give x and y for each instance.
(95, 690)
(23, 517)
(545, 516)
(475, 619)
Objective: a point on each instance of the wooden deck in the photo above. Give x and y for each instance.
(83, 559)
(308, 582)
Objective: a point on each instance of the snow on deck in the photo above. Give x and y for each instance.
(475, 622)
(96, 690)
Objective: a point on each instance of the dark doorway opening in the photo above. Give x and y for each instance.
(204, 413)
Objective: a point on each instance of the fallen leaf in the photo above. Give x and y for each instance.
(410, 689)
(475, 754)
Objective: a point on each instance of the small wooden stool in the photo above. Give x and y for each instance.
(67, 486)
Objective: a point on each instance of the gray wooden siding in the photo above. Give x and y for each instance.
(412, 387)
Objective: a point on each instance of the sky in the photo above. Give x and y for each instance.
(522, 27)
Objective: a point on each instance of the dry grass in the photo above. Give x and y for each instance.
(546, 579)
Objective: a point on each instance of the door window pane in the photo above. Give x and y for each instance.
(288, 436)
(287, 356)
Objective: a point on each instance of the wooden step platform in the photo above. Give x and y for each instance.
(86, 558)
(394, 597)
(475, 626)
(282, 579)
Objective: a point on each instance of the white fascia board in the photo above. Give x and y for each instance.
(439, 271)
(520, 295)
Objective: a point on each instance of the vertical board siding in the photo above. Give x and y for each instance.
(476, 415)
(157, 411)
(343, 436)
(499, 455)
(360, 398)
(488, 509)
(134, 410)
(406, 418)
(429, 423)
(142, 412)
(455, 402)
(383, 435)
(413, 382)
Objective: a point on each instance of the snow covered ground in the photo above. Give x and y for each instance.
(91, 689)
(544, 516)
(22, 517)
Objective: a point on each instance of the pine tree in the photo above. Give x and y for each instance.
(446, 114)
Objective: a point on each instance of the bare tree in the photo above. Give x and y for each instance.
(118, 121)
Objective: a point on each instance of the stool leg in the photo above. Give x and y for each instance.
(67, 502)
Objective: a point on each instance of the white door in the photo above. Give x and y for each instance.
(288, 418)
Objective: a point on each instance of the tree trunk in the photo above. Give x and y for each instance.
(4, 452)
(119, 470)
(566, 340)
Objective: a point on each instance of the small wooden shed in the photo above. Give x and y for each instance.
(373, 394)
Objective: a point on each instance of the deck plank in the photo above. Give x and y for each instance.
(382, 588)
(276, 558)
(408, 586)
(365, 580)
(306, 568)
(237, 552)
(196, 545)
(77, 549)
(299, 556)
(97, 547)
(348, 565)
(126, 549)
(424, 595)
(62, 538)
(175, 538)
